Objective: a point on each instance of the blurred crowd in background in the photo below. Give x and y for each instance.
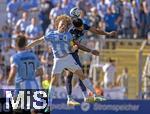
(34, 18)
(131, 18)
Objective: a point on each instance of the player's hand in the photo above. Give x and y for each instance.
(113, 33)
(95, 52)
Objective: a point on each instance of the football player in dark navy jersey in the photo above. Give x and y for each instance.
(78, 31)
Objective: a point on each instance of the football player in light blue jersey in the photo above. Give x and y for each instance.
(25, 66)
(61, 44)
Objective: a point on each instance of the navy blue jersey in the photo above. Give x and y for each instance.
(79, 35)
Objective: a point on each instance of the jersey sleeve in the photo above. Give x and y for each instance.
(48, 37)
(14, 61)
(86, 27)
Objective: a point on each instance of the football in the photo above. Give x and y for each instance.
(75, 12)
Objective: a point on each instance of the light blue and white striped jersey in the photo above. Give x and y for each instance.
(33, 31)
(59, 42)
(26, 63)
(22, 24)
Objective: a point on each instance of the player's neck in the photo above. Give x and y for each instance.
(21, 49)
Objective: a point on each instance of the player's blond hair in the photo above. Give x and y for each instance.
(65, 18)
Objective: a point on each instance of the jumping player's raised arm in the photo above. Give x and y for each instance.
(13, 70)
(80, 26)
(84, 48)
(101, 32)
(35, 42)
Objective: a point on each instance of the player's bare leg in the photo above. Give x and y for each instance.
(89, 85)
(70, 100)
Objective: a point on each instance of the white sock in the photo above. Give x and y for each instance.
(69, 97)
(51, 94)
(89, 85)
(85, 94)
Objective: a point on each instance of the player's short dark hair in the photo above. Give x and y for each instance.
(21, 41)
(77, 22)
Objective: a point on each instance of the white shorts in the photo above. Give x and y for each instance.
(66, 62)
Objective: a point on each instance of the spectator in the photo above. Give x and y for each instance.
(142, 22)
(26, 5)
(88, 7)
(135, 19)
(55, 2)
(94, 17)
(33, 31)
(117, 8)
(146, 9)
(102, 25)
(93, 2)
(1, 66)
(50, 27)
(110, 19)
(34, 3)
(13, 8)
(84, 17)
(1, 77)
(102, 8)
(126, 22)
(109, 74)
(45, 8)
(22, 23)
(6, 37)
(56, 11)
(47, 61)
(1, 73)
(81, 4)
(122, 81)
(8, 52)
(67, 6)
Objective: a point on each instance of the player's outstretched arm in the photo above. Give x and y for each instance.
(11, 75)
(35, 42)
(84, 48)
(12, 72)
(101, 32)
